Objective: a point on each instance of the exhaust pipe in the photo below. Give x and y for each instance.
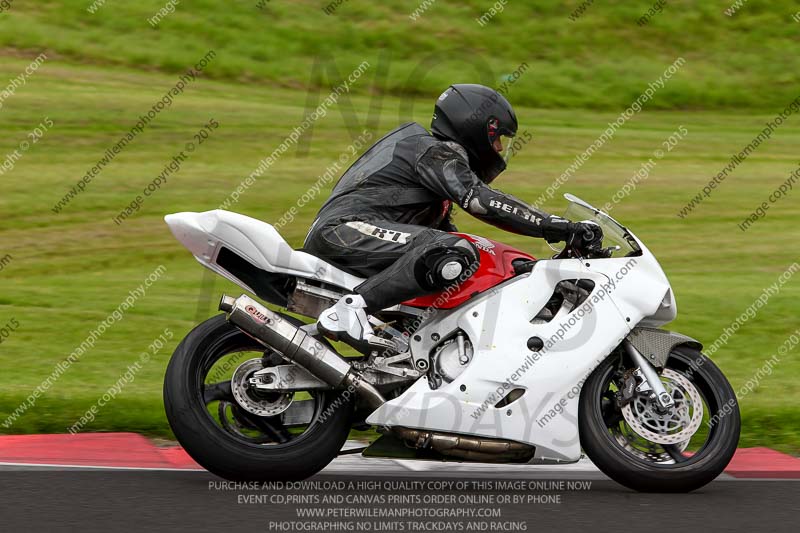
(273, 331)
(470, 448)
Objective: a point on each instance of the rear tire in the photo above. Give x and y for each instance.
(695, 470)
(221, 452)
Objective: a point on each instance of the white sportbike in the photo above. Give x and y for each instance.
(526, 361)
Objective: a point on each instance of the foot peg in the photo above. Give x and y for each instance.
(374, 340)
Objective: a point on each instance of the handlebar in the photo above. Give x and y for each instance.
(580, 250)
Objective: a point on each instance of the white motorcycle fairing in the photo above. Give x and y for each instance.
(500, 324)
(206, 234)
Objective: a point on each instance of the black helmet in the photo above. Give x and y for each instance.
(474, 116)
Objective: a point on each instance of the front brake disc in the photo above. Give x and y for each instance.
(674, 427)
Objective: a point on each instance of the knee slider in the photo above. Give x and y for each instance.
(443, 265)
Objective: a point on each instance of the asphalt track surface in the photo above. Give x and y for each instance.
(36, 499)
(124, 482)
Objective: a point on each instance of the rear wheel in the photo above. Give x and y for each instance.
(240, 433)
(643, 449)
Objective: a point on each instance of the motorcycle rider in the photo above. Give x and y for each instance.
(389, 217)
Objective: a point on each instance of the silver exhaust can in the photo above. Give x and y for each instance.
(275, 332)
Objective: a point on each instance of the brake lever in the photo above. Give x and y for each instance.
(602, 253)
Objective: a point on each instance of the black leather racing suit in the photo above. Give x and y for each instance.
(388, 216)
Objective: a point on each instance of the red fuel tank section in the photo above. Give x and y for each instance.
(495, 267)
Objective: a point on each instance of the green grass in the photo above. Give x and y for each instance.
(602, 60)
(70, 270)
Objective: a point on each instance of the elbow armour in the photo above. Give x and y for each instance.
(504, 211)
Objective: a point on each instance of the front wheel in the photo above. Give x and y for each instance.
(240, 433)
(646, 450)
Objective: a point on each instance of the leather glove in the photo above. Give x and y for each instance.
(586, 234)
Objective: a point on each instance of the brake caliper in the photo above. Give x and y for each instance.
(627, 392)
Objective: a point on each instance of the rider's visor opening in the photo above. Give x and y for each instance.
(509, 147)
(502, 140)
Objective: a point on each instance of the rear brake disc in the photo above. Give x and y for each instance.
(254, 401)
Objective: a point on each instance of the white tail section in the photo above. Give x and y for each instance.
(206, 234)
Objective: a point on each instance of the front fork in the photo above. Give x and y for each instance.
(651, 379)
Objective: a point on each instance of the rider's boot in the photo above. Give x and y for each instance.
(346, 320)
